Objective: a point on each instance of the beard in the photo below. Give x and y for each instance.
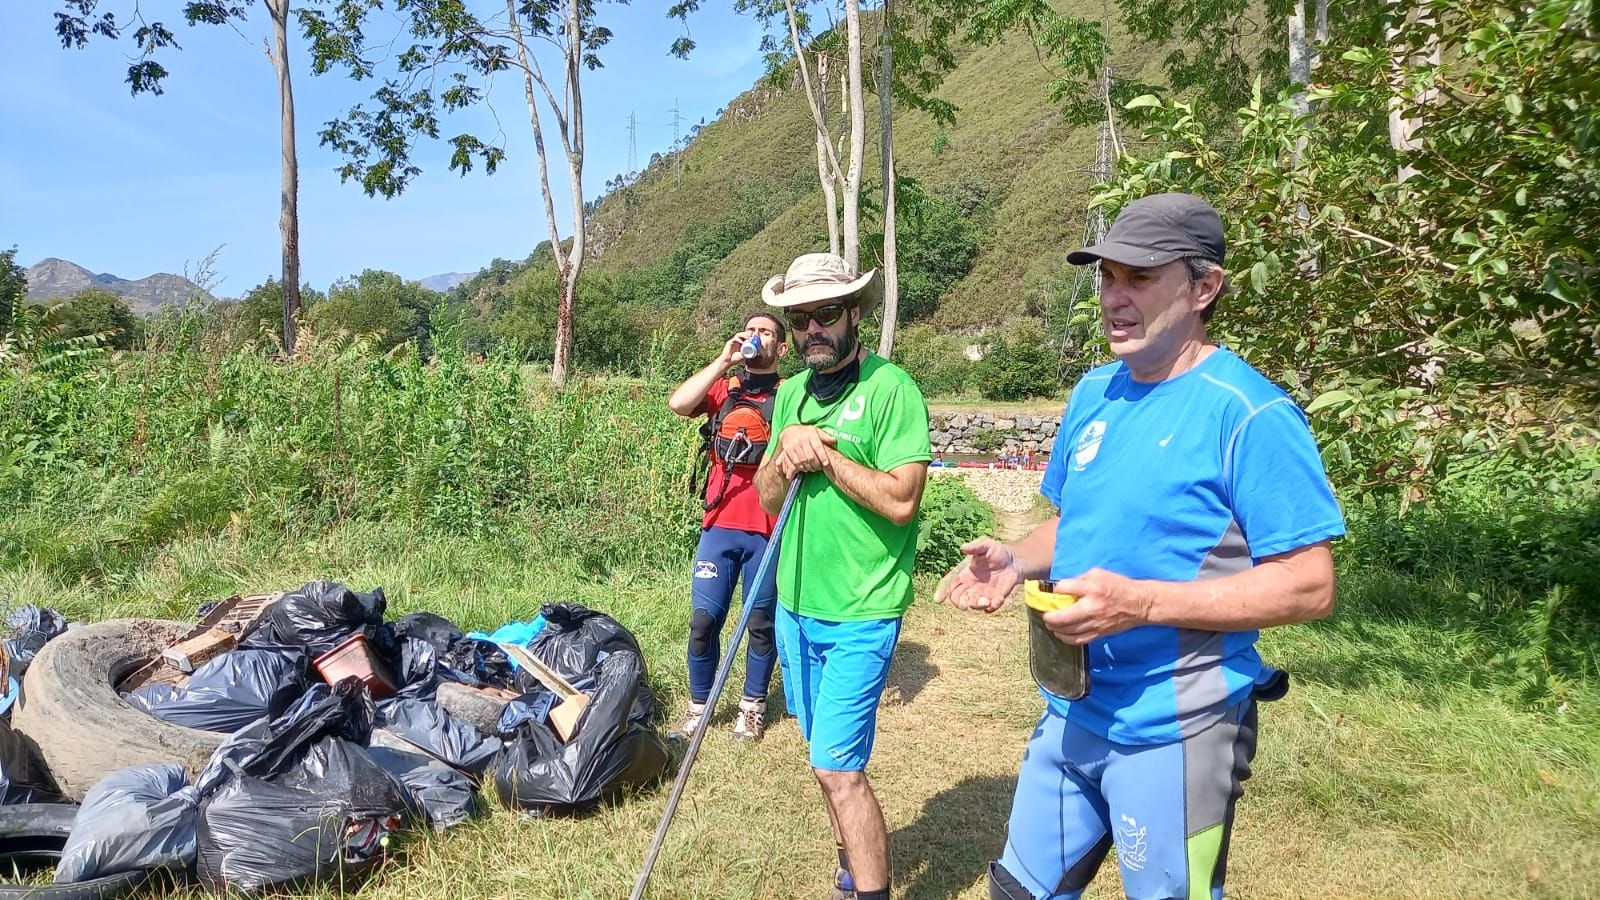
(822, 353)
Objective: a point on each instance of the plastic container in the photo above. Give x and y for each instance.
(352, 656)
(751, 347)
(1057, 666)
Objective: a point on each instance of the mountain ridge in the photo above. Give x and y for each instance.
(53, 278)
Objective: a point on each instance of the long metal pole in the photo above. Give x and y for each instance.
(643, 881)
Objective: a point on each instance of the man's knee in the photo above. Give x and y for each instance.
(840, 784)
(761, 642)
(702, 630)
(1005, 886)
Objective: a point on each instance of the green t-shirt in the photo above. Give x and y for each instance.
(840, 561)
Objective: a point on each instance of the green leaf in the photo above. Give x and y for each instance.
(1329, 398)
(1514, 104)
(1258, 277)
(1144, 101)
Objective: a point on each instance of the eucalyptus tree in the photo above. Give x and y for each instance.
(455, 50)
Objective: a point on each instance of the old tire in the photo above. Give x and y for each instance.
(83, 728)
(31, 838)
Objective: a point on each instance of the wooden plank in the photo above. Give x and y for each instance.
(191, 653)
(236, 614)
(565, 715)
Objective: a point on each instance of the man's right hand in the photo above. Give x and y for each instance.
(730, 350)
(984, 580)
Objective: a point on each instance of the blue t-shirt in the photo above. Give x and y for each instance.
(1198, 476)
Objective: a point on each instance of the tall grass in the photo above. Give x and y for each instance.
(103, 465)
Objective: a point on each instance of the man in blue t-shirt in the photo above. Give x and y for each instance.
(1193, 509)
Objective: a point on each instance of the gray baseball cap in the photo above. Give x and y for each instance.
(1155, 230)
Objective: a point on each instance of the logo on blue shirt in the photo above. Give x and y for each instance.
(1088, 444)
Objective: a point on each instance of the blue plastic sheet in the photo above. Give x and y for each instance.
(519, 633)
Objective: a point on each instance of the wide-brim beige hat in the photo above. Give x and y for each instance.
(814, 277)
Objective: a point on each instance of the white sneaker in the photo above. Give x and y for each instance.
(686, 726)
(751, 722)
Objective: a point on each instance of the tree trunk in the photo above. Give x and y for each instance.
(858, 137)
(572, 135)
(1299, 56)
(1319, 33)
(560, 368)
(1403, 128)
(289, 216)
(825, 170)
(569, 264)
(891, 269)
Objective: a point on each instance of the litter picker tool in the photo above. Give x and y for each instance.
(643, 881)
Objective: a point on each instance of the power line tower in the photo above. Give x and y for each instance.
(1086, 279)
(633, 145)
(677, 152)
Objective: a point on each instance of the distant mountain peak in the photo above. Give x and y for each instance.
(445, 281)
(53, 278)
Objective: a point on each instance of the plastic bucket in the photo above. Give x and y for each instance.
(352, 656)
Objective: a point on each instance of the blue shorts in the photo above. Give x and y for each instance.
(837, 671)
(1167, 809)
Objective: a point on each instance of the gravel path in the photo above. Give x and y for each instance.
(1006, 490)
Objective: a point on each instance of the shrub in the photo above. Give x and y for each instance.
(951, 515)
(988, 439)
(938, 362)
(1017, 363)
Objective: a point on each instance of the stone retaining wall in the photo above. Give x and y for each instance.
(979, 432)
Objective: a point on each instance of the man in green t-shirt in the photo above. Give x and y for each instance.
(854, 428)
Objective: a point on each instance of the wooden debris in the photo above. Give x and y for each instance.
(191, 653)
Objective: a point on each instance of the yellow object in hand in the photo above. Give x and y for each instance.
(1040, 595)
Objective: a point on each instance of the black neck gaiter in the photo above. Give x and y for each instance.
(826, 387)
(757, 383)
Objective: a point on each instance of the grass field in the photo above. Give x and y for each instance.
(1442, 740)
(1388, 771)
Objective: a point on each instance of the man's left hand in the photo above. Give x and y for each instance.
(1108, 603)
(804, 448)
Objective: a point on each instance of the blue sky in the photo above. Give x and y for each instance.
(137, 185)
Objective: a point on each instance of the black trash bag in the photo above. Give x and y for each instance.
(24, 777)
(327, 818)
(611, 750)
(574, 642)
(231, 691)
(29, 628)
(268, 748)
(429, 627)
(575, 637)
(439, 795)
(418, 673)
(139, 818)
(437, 733)
(321, 614)
(477, 662)
(299, 799)
(533, 706)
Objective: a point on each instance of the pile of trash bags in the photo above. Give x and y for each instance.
(314, 778)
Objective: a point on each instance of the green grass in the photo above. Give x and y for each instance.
(1443, 737)
(1398, 766)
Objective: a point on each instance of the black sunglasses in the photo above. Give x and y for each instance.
(824, 315)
